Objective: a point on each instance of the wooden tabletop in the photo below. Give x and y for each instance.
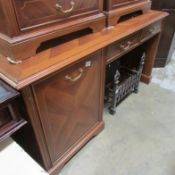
(54, 59)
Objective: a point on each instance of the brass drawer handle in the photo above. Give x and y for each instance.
(152, 30)
(60, 7)
(10, 60)
(126, 46)
(75, 77)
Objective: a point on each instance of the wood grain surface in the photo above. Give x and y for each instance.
(51, 60)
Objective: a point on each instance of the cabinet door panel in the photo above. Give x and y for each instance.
(69, 104)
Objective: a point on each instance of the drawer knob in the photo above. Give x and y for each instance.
(75, 76)
(60, 7)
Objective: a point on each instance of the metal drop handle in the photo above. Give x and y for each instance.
(152, 30)
(76, 78)
(126, 47)
(12, 61)
(61, 9)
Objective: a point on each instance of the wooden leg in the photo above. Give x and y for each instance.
(151, 51)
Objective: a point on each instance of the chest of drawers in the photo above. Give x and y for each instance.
(25, 24)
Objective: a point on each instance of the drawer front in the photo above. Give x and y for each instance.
(150, 31)
(33, 13)
(118, 48)
(69, 104)
(117, 3)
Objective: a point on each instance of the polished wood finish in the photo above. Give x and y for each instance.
(119, 48)
(66, 112)
(112, 4)
(26, 24)
(32, 13)
(115, 14)
(8, 22)
(50, 60)
(149, 31)
(10, 116)
(151, 50)
(61, 113)
(11, 47)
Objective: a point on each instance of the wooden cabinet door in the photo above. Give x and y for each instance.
(69, 104)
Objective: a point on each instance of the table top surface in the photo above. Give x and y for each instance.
(54, 59)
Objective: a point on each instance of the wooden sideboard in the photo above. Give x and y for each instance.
(54, 56)
(63, 86)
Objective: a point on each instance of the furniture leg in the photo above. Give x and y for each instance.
(112, 108)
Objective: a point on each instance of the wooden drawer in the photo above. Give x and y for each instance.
(118, 48)
(69, 104)
(10, 115)
(112, 4)
(150, 31)
(117, 3)
(32, 13)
